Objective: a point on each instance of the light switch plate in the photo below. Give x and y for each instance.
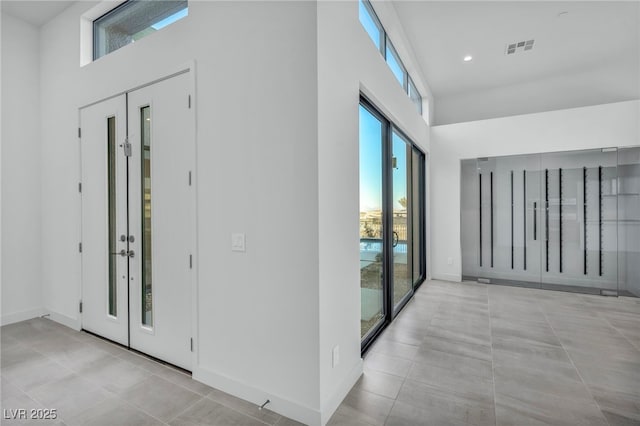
(237, 242)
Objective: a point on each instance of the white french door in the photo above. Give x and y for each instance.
(104, 220)
(138, 214)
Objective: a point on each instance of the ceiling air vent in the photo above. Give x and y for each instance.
(520, 46)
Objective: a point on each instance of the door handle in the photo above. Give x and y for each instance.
(546, 228)
(535, 220)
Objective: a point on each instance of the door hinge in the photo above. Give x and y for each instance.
(126, 146)
(189, 177)
(79, 186)
(80, 307)
(79, 132)
(191, 344)
(189, 101)
(80, 247)
(190, 261)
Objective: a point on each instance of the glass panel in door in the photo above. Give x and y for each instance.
(147, 290)
(485, 220)
(513, 210)
(112, 217)
(579, 191)
(469, 222)
(500, 215)
(371, 229)
(629, 221)
(161, 213)
(104, 219)
(401, 205)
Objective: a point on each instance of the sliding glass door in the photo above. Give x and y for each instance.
(400, 200)
(392, 254)
(372, 311)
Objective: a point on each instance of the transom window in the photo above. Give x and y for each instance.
(374, 28)
(133, 20)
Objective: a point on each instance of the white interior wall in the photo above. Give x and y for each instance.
(21, 207)
(285, 134)
(256, 107)
(597, 126)
(348, 62)
(606, 83)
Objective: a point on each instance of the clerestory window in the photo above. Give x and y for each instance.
(133, 20)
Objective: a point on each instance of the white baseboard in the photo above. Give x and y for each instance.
(447, 277)
(73, 323)
(336, 399)
(21, 316)
(282, 406)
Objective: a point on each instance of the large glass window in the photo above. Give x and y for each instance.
(391, 221)
(133, 20)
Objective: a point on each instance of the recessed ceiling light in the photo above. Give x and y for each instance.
(467, 58)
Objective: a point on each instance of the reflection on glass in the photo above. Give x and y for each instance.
(402, 282)
(371, 253)
(546, 220)
(111, 195)
(581, 254)
(147, 291)
(629, 221)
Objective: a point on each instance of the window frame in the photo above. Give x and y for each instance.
(94, 27)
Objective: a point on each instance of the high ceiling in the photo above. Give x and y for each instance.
(570, 38)
(36, 13)
(584, 52)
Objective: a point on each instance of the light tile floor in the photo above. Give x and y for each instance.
(467, 354)
(93, 382)
(476, 354)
